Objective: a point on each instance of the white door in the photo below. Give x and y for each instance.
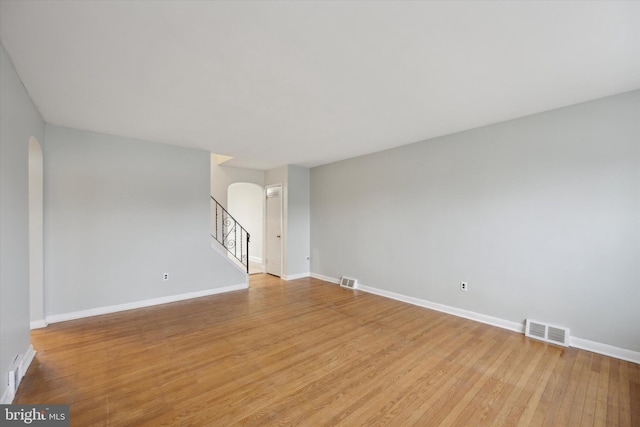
(274, 230)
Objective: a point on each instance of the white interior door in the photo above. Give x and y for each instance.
(274, 230)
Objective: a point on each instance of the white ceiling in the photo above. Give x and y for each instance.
(307, 83)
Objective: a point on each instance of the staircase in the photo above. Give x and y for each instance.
(230, 234)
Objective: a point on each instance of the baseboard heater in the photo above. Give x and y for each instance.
(548, 333)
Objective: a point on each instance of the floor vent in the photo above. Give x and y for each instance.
(548, 333)
(347, 282)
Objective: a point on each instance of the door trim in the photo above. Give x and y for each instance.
(282, 231)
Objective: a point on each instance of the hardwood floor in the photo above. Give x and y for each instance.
(307, 352)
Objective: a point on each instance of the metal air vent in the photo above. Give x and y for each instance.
(347, 282)
(548, 333)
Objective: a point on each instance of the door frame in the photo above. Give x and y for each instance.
(282, 233)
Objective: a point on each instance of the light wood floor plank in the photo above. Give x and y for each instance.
(603, 391)
(401, 368)
(625, 398)
(407, 392)
(588, 415)
(507, 405)
(310, 353)
(613, 415)
(532, 394)
(468, 385)
(554, 393)
(634, 395)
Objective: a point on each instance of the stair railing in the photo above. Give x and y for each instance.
(230, 234)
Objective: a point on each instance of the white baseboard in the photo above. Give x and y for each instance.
(22, 364)
(325, 278)
(27, 358)
(471, 315)
(38, 324)
(581, 343)
(7, 397)
(295, 276)
(140, 304)
(606, 349)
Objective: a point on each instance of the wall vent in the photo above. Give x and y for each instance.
(347, 282)
(548, 333)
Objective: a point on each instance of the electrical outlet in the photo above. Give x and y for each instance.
(464, 286)
(165, 276)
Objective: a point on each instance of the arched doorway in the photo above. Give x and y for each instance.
(36, 235)
(245, 201)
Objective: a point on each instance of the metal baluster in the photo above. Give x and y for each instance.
(223, 232)
(247, 252)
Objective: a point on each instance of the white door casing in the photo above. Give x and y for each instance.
(274, 229)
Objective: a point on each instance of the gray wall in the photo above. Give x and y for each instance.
(118, 214)
(19, 120)
(298, 220)
(541, 215)
(36, 233)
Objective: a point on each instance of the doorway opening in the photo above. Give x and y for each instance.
(274, 232)
(245, 202)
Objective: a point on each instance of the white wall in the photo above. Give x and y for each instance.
(246, 205)
(19, 121)
(541, 215)
(118, 214)
(223, 176)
